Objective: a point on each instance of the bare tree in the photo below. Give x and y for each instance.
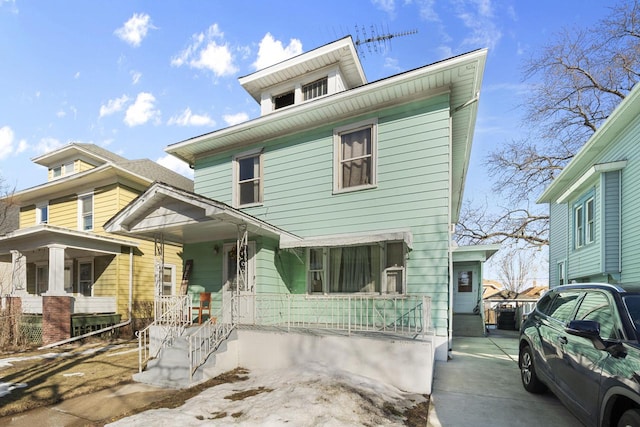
(516, 268)
(577, 81)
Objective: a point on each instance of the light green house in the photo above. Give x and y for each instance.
(594, 227)
(342, 188)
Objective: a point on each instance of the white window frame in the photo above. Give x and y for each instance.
(337, 154)
(562, 272)
(322, 82)
(89, 261)
(322, 271)
(82, 215)
(589, 227)
(45, 267)
(40, 208)
(258, 152)
(400, 270)
(172, 283)
(578, 219)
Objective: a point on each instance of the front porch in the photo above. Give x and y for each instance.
(369, 335)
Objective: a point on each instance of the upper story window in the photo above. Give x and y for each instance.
(85, 212)
(284, 100)
(584, 222)
(42, 213)
(247, 178)
(62, 170)
(355, 150)
(315, 89)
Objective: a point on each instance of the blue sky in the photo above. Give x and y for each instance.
(136, 76)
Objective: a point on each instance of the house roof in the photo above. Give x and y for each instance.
(38, 236)
(584, 163)
(140, 173)
(479, 253)
(72, 149)
(460, 76)
(185, 217)
(340, 52)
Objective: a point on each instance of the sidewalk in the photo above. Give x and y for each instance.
(481, 386)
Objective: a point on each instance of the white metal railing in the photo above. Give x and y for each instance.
(208, 337)
(171, 315)
(406, 315)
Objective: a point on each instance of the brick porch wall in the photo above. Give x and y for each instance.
(56, 318)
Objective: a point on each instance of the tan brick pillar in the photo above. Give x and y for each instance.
(56, 318)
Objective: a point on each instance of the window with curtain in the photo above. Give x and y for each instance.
(344, 270)
(248, 179)
(356, 157)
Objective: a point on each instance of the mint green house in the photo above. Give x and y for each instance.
(336, 206)
(594, 226)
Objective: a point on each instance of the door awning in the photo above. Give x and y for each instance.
(185, 217)
(352, 239)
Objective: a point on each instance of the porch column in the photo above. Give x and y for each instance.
(56, 270)
(18, 273)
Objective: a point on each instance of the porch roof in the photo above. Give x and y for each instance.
(43, 235)
(185, 217)
(474, 252)
(350, 239)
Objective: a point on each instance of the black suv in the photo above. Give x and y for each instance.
(581, 341)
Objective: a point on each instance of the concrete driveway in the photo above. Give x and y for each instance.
(481, 386)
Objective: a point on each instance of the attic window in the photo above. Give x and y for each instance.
(283, 100)
(315, 89)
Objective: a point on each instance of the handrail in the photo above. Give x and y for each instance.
(208, 337)
(172, 314)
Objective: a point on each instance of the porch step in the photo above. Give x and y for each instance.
(468, 325)
(171, 368)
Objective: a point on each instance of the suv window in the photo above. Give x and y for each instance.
(596, 306)
(562, 306)
(545, 303)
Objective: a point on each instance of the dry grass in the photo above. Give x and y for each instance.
(74, 372)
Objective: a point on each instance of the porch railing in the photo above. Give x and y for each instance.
(172, 314)
(405, 315)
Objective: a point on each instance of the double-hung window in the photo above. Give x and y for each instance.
(42, 213)
(85, 277)
(248, 178)
(315, 89)
(584, 222)
(85, 212)
(355, 149)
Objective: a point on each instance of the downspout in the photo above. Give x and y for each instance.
(130, 306)
(449, 246)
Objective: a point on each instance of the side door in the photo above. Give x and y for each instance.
(578, 376)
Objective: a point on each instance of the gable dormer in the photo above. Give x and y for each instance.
(330, 69)
(74, 158)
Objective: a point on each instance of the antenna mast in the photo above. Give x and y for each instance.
(374, 41)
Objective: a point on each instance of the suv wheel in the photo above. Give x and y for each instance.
(528, 375)
(630, 418)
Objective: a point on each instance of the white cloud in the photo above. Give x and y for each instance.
(272, 51)
(61, 114)
(234, 119)
(187, 118)
(76, 75)
(22, 146)
(135, 76)
(427, 11)
(113, 106)
(392, 64)
(6, 141)
(47, 144)
(387, 6)
(142, 110)
(205, 53)
(479, 19)
(135, 29)
(176, 165)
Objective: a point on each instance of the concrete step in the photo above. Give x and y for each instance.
(468, 325)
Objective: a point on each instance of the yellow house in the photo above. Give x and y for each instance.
(61, 258)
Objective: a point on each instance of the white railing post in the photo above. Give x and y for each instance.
(349, 314)
(425, 315)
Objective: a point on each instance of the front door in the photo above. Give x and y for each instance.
(242, 288)
(466, 285)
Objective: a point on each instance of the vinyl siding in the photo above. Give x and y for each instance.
(558, 239)
(27, 216)
(611, 222)
(587, 260)
(412, 192)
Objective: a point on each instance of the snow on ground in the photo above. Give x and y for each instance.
(302, 396)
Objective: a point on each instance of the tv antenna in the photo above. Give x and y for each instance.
(373, 41)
